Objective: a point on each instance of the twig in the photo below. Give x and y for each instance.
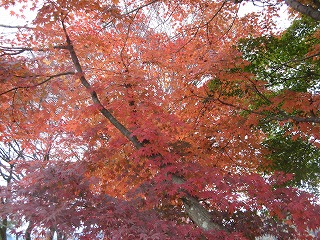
(16, 26)
(38, 84)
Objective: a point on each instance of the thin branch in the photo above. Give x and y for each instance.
(296, 118)
(125, 42)
(132, 11)
(201, 26)
(284, 116)
(13, 50)
(142, 6)
(287, 63)
(18, 50)
(16, 26)
(38, 84)
(260, 94)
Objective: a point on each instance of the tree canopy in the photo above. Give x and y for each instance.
(288, 67)
(160, 120)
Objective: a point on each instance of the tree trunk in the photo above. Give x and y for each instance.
(299, 7)
(3, 229)
(198, 214)
(50, 233)
(304, 9)
(60, 235)
(28, 231)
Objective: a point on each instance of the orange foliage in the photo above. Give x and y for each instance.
(147, 65)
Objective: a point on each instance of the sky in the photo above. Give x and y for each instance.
(7, 19)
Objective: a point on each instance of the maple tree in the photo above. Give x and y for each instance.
(159, 120)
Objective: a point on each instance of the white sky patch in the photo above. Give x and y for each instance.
(247, 8)
(282, 22)
(7, 18)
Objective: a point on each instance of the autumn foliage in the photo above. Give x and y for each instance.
(158, 120)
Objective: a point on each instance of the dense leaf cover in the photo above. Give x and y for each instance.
(159, 120)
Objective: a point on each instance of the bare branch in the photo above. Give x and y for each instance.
(38, 84)
(143, 6)
(296, 118)
(203, 25)
(16, 26)
(283, 116)
(133, 10)
(18, 50)
(13, 50)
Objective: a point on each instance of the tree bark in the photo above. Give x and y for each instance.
(299, 7)
(28, 231)
(304, 9)
(3, 229)
(198, 214)
(50, 233)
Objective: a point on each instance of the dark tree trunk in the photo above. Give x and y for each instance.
(3, 229)
(28, 231)
(304, 9)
